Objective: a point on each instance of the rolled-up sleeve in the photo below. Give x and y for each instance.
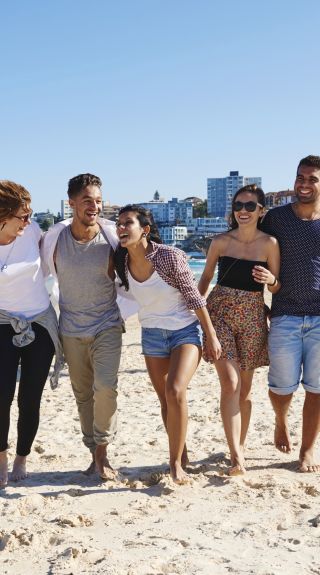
(173, 267)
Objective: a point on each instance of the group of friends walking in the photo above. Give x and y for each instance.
(89, 256)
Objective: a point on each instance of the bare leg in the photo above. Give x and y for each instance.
(19, 469)
(310, 430)
(230, 381)
(170, 378)
(245, 403)
(103, 466)
(3, 469)
(158, 369)
(184, 361)
(281, 404)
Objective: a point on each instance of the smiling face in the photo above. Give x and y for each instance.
(129, 230)
(86, 206)
(244, 216)
(307, 185)
(15, 225)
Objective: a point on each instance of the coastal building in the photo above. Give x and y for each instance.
(172, 212)
(44, 219)
(220, 192)
(274, 199)
(66, 210)
(109, 212)
(208, 226)
(173, 235)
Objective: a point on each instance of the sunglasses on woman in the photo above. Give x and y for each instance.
(24, 219)
(248, 206)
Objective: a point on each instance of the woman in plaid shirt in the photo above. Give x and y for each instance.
(170, 309)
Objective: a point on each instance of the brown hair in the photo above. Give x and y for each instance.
(12, 198)
(78, 183)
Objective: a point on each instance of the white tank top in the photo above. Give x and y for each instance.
(160, 305)
(22, 288)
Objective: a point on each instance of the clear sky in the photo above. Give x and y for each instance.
(156, 94)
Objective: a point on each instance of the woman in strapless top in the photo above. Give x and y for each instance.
(247, 260)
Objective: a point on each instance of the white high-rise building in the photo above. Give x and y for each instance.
(221, 191)
(66, 210)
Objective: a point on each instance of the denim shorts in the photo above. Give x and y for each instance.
(294, 351)
(158, 342)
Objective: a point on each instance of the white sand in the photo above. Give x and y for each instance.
(59, 521)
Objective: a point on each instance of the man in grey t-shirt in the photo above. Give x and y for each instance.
(90, 320)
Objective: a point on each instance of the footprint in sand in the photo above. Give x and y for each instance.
(74, 521)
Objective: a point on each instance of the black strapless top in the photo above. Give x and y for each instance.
(237, 274)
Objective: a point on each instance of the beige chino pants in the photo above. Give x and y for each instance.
(93, 368)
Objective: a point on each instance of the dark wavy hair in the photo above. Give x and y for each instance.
(253, 189)
(78, 183)
(145, 218)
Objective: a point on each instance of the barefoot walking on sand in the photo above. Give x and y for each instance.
(78, 254)
(170, 309)
(294, 339)
(23, 296)
(248, 259)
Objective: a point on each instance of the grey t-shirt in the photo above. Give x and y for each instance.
(87, 294)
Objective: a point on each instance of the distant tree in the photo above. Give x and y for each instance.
(156, 195)
(57, 218)
(45, 225)
(201, 210)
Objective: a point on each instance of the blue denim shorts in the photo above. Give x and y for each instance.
(158, 342)
(294, 352)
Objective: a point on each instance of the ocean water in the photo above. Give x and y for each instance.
(197, 266)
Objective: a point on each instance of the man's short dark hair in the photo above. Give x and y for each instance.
(78, 183)
(310, 161)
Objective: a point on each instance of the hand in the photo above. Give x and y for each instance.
(213, 347)
(262, 275)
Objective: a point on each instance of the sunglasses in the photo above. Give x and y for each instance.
(24, 219)
(248, 206)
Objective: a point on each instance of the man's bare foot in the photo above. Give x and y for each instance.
(308, 464)
(19, 469)
(178, 475)
(91, 469)
(282, 437)
(184, 457)
(3, 469)
(103, 466)
(237, 467)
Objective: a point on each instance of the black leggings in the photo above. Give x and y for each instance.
(35, 364)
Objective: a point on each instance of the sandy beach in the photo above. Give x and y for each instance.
(60, 522)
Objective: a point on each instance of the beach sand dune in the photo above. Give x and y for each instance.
(59, 521)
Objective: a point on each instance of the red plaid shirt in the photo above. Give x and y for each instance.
(171, 265)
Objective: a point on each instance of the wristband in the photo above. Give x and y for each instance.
(274, 283)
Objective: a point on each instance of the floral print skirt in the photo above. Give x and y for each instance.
(240, 321)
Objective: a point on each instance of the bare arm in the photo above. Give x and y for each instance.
(208, 272)
(270, 276)
(213, 344)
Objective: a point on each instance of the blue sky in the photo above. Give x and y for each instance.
(156, 94)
